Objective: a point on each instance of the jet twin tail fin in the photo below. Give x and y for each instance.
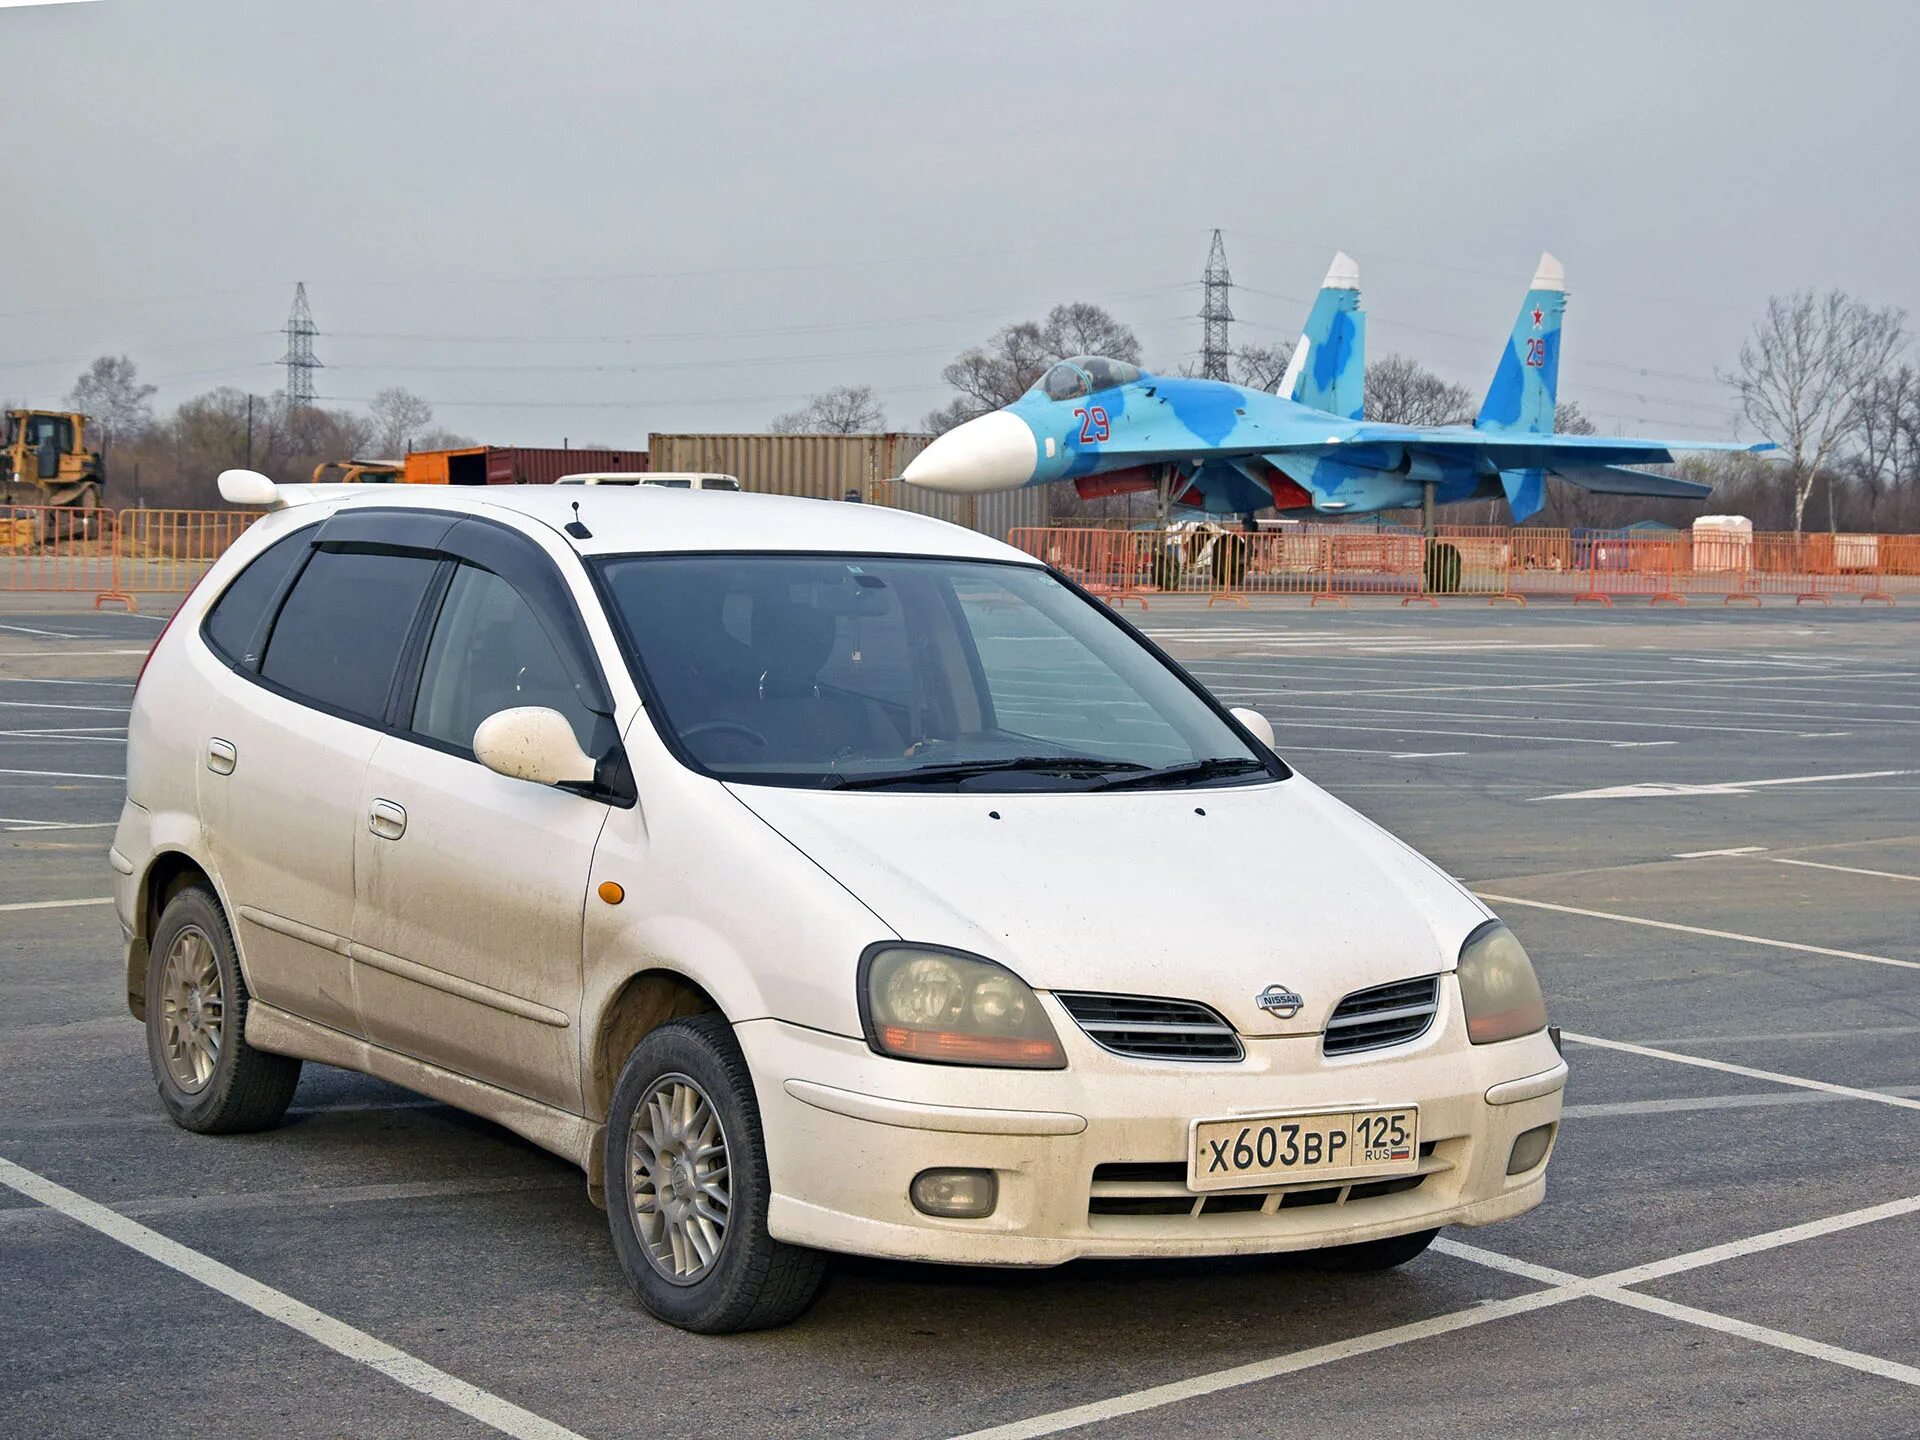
(1328, 368)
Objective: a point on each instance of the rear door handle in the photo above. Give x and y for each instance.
(387, 820)
(221, 756)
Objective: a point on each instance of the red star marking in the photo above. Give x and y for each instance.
(1538, 315)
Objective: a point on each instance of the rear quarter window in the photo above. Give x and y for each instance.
(235, 623)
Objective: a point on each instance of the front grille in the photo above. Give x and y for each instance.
(1385, 1015)
(1147, 1028)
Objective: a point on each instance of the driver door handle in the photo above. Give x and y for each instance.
(221, 756)
(387, 820)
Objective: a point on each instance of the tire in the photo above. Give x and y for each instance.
(1371, 1255)
(210, 1079)
(685, 1274)
(1230, 560)
(1442, 568)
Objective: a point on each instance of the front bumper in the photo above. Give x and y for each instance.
(847, 1130)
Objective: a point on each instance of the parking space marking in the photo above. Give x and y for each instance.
(1701, 930)
(64, 774)
(1845, 869)
(1827, 1087)
(377, 1355)
(1562, 1287)
(1667, 790)
(56, 904)
(1767, 1335)
(1684, 1104)
(317, 1196)
(16, 827)
(1176, 1391)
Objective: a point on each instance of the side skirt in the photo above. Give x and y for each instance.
(572, 1137)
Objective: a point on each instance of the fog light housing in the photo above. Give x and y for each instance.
(1529, 1149)
(955, 1194)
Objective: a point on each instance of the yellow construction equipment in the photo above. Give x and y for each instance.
(47, 461)
(358, 472)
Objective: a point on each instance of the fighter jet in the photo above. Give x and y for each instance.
(1111, 427)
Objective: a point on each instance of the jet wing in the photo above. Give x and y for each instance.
(1616, 480)
(1518, 450)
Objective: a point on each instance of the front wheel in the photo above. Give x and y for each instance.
(687, 1187)
(210, 1079)
(1371, 1254)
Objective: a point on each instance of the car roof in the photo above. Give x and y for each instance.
(627, 519)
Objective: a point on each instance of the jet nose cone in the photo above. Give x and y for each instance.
(995, 451)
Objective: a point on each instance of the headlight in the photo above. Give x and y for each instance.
(921, 1003)
(1499, 987)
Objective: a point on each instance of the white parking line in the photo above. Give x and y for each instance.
(14, 827)
(1666, 790)
(1564, 1287)
(377, 1355)
(1845, 869)
(1174, 1392)
(1700, 930)
(1683, 1105)
(64, 774)
(56, 904)
(1801, 1081)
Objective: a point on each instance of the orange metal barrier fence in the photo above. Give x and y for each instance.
(1491, 563)
(56, 548)
(119, 555)
(112, 555)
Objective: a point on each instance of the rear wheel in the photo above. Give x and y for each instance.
(687, 1187)
(210, 1079)
(1371, 1254)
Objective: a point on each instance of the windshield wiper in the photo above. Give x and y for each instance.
(932, 774)
(1191, 770)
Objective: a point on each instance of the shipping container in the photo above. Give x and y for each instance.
(833, 467)
(513, 464)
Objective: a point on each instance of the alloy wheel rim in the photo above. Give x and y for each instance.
(193, 1010)
(679, 1182)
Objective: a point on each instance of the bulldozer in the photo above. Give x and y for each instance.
(46, 471)
(47, 461)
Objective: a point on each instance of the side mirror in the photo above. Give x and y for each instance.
(1255, 723)
(531, 742)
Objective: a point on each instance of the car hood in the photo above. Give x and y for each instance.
(1208, 894)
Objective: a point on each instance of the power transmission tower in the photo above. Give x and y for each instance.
(1216, 314)
(299, 357)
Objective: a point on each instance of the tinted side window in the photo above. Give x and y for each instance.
(489, 653)
(339, 635)
(233, 624)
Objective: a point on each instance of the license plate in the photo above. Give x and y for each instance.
(1251, 1150)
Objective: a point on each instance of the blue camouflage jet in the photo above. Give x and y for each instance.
(1110, 427)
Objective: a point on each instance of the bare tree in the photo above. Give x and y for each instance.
(1805, 375)
(1889, 448)
(1402, 391)
(843, 410)
(1259, 367)
(1004, 369)
(398, 416)
(110, 392)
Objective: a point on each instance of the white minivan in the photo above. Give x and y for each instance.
(817, 878)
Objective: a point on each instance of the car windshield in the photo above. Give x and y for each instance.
(875, 672)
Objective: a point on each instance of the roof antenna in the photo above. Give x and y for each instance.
(575, 528)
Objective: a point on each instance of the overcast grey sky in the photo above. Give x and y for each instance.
(600, 220)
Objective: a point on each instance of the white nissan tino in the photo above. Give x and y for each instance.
(816, 878)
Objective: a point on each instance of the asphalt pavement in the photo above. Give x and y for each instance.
(1703, 822)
